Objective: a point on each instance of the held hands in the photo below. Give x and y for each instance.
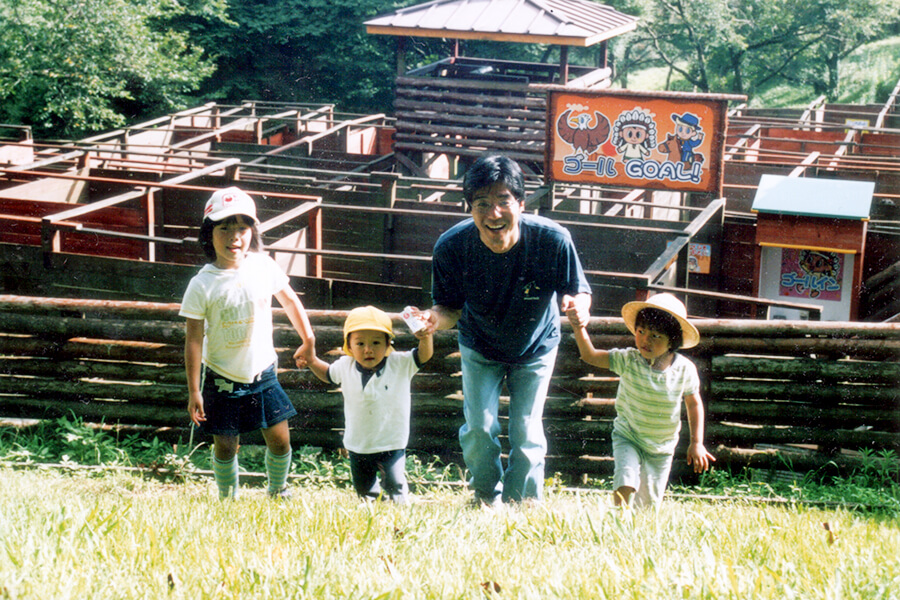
(304, 355)
(426, 320)
(426, 330)
(700, 457)
(577, 309)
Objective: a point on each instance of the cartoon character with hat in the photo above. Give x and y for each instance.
(689, 135)
(654, 379)
(375, 383)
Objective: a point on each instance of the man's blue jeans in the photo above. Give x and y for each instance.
(527, 383)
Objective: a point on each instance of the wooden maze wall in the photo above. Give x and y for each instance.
(773, 390)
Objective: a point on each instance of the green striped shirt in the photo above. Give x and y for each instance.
(648, 402)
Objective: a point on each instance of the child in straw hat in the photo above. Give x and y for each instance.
(375, 382)
(653, 380)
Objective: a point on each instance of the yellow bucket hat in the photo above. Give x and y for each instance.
(367, 318)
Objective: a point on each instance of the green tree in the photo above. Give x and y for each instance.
(303, 51)
(80, 66)
(743, 45)
(845, 26)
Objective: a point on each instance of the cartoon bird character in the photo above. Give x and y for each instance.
(582, 136)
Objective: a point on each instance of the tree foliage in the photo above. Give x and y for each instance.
(68, 68)
(845, 25)
(72, 67)
(303, 51)
(744, 45)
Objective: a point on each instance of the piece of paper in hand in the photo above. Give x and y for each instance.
(413, 322)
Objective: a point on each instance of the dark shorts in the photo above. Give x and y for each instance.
(233, 408)
(390, 466)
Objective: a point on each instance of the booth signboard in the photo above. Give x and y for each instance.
(648, 140)
(811, 274)
(811, 237)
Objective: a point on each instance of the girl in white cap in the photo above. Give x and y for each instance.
(653, 380)
(375, 383)
(229, 354)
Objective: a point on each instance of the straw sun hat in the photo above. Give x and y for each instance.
(667, 303)
(367, 318)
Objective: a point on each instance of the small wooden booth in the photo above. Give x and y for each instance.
(810, 244)
(457, 108)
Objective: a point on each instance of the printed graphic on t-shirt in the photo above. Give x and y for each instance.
(237, 320)
(532, 291)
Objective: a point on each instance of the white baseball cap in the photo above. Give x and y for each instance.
(229, 202)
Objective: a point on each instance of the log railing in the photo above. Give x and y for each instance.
(882, 294)
(830, 387)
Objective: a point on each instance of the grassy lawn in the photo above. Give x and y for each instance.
(121, 536)
(866, 77)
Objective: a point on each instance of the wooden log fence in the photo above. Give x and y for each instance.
(797, 387)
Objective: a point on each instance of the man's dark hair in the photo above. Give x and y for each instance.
(206, 229)
(662, 322)
(490, 169)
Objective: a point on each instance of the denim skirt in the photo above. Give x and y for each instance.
(233, 407)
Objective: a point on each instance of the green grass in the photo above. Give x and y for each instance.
(116, 536)
(73, 531)
(69, 442)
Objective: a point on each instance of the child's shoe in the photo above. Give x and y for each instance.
(284, 493)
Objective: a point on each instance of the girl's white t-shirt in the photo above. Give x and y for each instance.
(236, 305)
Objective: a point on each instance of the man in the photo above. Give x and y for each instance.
(502, 277)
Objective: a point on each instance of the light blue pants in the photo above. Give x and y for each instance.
(482, 381)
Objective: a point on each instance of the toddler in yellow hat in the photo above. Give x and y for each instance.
(375, 383)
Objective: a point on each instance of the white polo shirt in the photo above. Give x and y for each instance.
(377, 416)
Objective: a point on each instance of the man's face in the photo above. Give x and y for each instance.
(496, 214)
